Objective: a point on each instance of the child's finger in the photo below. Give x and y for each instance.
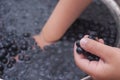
(101, 41)
(86, 36)
(101, 50)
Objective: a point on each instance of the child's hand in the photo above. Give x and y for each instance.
(107, 68)
(41, 41)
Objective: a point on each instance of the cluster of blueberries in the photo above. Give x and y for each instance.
(12, 49)
(89, 56)
(82, 27)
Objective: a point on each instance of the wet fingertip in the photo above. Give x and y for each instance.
(86, 36)
(83, 42)
(101, 41)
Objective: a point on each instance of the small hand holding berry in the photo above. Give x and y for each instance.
(107, 68)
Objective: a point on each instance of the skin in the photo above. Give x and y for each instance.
(107, 68)
(62, 17)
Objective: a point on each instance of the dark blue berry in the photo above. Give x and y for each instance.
(92, 37)
(12, 54)
(79, 50)
(1, 67)
(1, 45)
(14, 47)
(6, 44)
(24, 47)
(21, 57)
(26, 34)
(12, 60)
(80, 36)
(4, 61)
(92, 33)
(1, 73)
(3, 53)
(78, 43)
(9, 65)
(10, 40)
(27, 58)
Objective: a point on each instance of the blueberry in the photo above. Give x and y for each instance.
(93, 33)
(12, 60)
(79, 50)
(80, 36)
(11, 33)
(23, 42)
(104, 35)
(10, 40)
(112, 36)
(72, 39)
(4, 61)
(97, 58)
(112, 32)
(27, 58)
(111, 41)
(13, 54)
(101, 29)
(14, 47)
(9, 65)
(24, 47)
(87, 54)
(105, 39)
(1, 67)
(1, 45)
(10, 50)
(3, 53)
(92, 37)
(91, 58)
(107, 32)
(1, 73)
(26, 34)
(82, 30)
(78, 43)
(1, 36)
(6, 44)
(21, 57)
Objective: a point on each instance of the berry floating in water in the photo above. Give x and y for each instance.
(27, 58)
(4, 60)
(26, 34)
(1, 73)
(24, 47)
(14, 47)
(13, 54)
(9, 65)
(1, 67)
(21, 57)
(12, 60)
(3, 53)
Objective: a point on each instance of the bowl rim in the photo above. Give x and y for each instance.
(114, 8)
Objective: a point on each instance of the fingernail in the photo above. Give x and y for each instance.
(83, 42)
